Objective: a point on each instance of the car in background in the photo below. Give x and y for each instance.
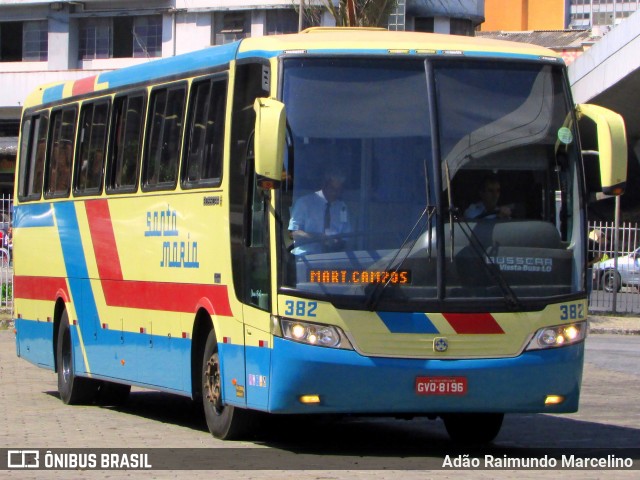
(610, 279)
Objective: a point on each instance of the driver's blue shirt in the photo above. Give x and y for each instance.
(308, 215)
(478, 210)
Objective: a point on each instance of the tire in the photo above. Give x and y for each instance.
(611, 281)
(473, 428)
(73, 390)
(224, 421)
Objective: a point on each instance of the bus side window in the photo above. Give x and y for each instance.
(60, 158)
(32, 156)
(204, 139)
(125, 141)
(91, 147)
(164, 132)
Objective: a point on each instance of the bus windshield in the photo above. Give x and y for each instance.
(425, 180)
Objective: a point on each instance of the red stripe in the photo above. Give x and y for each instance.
(84, 85)
(38, 288)
(473, 323)
(104, 240)
(169, 297)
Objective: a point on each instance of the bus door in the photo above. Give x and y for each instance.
(257, 295)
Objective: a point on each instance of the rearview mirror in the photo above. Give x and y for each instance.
(269, 141)
(602, 133)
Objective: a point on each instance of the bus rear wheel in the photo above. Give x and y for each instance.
(473, 428)
(224, 421)
(73, 390)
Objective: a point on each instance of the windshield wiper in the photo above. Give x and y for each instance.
(511, 299)
(379, 288)
(429, 210)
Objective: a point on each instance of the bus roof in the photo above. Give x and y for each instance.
(321, 40)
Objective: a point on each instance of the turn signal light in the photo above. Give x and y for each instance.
(553, 400)
(309, 399)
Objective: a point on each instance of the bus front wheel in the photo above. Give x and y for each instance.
(473, 428)
(73, 390)
(224, 421)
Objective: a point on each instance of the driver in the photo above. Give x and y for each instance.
(318, 219)
(487, 207)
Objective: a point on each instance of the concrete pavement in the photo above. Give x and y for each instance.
(614, 325)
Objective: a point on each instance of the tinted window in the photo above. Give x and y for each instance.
(61, 153)
(126, 138)
(204, 144)
(166, 111)
(91, 148)
(33, 148)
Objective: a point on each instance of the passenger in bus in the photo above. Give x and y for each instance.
(487, 207)
(319, 219)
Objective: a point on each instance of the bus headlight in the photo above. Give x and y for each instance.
(558, 336)
(315, 334)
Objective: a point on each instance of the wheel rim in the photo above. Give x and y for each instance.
(212, 384)
(610, 281)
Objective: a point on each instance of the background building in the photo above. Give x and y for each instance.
(568, 43)
(517, 15)
(600, 13)
(45, 41)
(513, 15)
(461, 17)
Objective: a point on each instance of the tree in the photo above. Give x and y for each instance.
(361, 13)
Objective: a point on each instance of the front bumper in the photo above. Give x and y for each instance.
(348, 382)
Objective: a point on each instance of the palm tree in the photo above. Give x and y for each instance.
(361, 13)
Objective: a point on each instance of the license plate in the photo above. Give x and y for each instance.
(441, 385)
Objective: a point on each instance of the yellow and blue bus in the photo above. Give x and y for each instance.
(166, 237)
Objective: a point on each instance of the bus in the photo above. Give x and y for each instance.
(159, 228)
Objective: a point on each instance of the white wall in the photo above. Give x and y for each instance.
(183, 31)
(193, 31)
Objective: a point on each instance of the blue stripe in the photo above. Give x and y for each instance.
(318, 51)
(78, 276)
(398, 322)
(33, 215)
(232, 372)
(34, 342)
(157, 361)
(72, 250)
(141, 352)
(52, 94)
(209, 57)
(258, 379)
(517, 56)
(380, 51)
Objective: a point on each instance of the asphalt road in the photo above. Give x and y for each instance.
(615, 353)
